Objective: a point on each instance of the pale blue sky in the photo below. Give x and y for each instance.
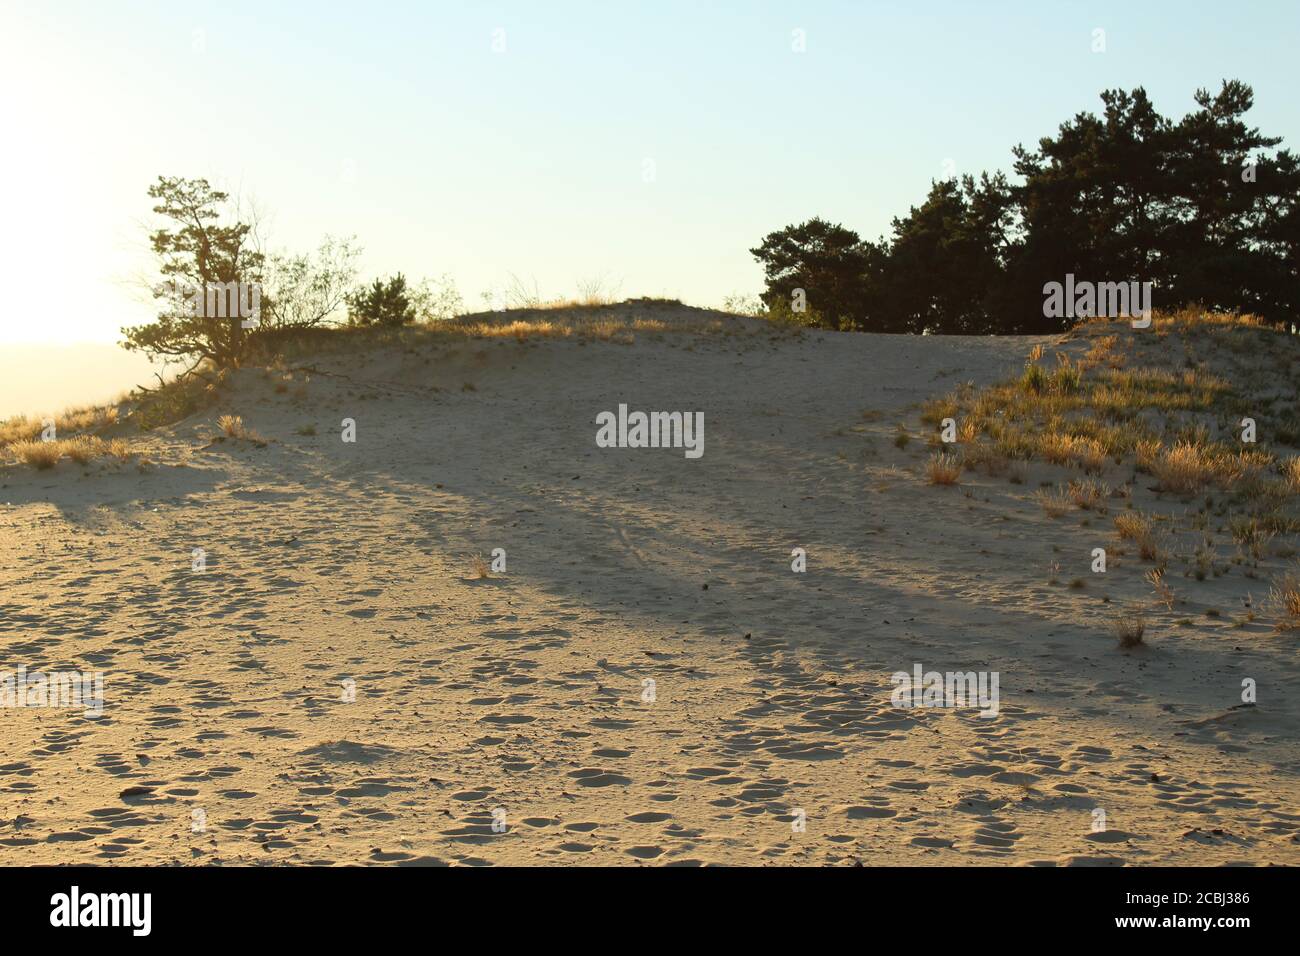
(399, 123)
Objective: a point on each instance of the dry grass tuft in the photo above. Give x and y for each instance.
(232, 426)
(41, 455)
(1133, 525)
(1061, 449)
(478, 566)
(943, 469)
(1186, 468)
(1130, 627)
(69, 423)
(1156, 578)
(1147, 453)
(1089, 494)
(82, 449)
(86, 448)
(1284, 598)
(19, 429)
(1252, 535)
(1054, 503)
(1140, 529)
(118, 448)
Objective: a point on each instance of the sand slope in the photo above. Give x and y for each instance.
(329, 562)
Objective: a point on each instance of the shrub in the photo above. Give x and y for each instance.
(386, 304)
(825, 260)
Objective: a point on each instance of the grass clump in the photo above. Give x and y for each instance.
(478, 566)
(1284, 597)
(232, 426)
(1141, 530)
(1054, 503)
(82, 449)
(1156, 578)
(41, 455)
(1089, 494)
(943, 469)
(1130, 628)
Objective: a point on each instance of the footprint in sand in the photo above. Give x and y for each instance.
(858, 812)
(599, 778)
(644, 852)
(995, 835)
(1111, 836)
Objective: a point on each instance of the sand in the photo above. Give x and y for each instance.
(508, 719)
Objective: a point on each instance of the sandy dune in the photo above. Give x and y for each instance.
(330, 562)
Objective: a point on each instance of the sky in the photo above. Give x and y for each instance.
(647, 144)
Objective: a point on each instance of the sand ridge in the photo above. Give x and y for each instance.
(507, 720)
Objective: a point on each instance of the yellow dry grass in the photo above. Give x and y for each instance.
(232, 426)
(1054, 503)
(1130, 628)
(943, 469)
(478, 566)
(1089, 494)
(1085, 453)
(82, 449)
(1190, 466)
(1141, 530)
(66, 424)
(619, 331)
(39, 454)
(1284, 598)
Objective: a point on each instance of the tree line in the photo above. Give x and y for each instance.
(1201, 208)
